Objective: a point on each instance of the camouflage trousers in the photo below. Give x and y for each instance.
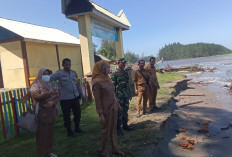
(123, 113)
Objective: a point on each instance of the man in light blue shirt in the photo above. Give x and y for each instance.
(71, 92)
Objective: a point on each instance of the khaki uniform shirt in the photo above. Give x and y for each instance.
(152, 75)
(105, 99)
(138, 78)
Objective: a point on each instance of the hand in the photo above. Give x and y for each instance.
(50, 104)
(158, 87)
(55, 92)
(102, 118)
(136, 91)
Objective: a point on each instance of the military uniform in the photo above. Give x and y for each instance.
(153, 88)
(120, 80)
(143, 90)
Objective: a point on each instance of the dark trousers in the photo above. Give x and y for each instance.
(66, 106)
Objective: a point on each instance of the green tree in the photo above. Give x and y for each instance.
(179, 51)
(131, 57)
(107, 49)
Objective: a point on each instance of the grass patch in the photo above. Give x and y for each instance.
(146, 134)
(165, 93)
(169, 77)
(228, 54)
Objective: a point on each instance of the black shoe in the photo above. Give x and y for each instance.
(70, 134)
(152, 110)
(126, 127)
(79, 130)
(155, 108)
(145, 113)
(120, 132)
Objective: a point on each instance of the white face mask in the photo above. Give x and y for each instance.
(46, 78)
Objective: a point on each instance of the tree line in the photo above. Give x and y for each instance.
(108, 50)
(180, 51)
(168, 52)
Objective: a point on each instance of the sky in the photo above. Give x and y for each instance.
(154, 23)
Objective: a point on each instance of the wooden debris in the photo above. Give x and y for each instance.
(225, 128)
(204, 130)
(191, 140)
(205, 122)
(181, 130)
(208, 135)
(186, 145)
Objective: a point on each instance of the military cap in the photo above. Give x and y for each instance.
(121, 60)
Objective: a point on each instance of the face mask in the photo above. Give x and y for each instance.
(46, 78)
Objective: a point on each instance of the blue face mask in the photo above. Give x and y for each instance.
(46, 78)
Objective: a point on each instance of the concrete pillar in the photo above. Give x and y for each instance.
(86, 43)
(119, 45)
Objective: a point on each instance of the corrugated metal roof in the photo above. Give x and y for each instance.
(38, 33)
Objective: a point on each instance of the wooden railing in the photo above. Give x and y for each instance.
(11, 109)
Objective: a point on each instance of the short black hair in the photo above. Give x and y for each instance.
(66, 60)
(152, 58)
(141, 60)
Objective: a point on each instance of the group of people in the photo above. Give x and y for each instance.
(43, 91)
(112, 95)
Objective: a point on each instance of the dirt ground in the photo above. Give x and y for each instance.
(197, 114)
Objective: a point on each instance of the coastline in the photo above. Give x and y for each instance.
(192, 106)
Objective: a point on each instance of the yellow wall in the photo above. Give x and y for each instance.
(44, 55)
(12, 65)
(74, 54)
(41, 55)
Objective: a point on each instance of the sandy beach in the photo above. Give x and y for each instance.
(201, 115)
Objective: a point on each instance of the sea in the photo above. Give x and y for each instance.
(218, 81)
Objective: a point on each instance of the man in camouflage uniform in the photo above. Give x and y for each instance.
(120, 80)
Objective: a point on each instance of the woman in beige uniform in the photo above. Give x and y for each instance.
(43, 92)
(106, 105)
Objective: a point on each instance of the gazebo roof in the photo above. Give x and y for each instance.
(74, 8)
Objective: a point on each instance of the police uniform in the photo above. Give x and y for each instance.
(71, 92)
